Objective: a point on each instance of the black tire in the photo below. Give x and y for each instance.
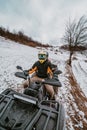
(61, 117)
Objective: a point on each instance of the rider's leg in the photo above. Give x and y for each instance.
(55, 89)
(25, 84)
(50, 90)
(36, 79)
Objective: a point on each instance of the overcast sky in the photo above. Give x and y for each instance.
(43, 20)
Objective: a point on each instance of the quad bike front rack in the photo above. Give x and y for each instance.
(22, 112)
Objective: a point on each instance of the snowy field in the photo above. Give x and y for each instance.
(80, 71)
(13, 54)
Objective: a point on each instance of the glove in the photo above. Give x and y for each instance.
(30, 75)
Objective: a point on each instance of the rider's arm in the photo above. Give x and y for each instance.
(33, 69)
(49, 70)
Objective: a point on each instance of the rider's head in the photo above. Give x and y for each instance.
(42, 56)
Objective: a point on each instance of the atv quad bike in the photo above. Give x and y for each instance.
(25, 112)
(37, 89)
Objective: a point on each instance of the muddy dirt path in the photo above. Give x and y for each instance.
(77, 103)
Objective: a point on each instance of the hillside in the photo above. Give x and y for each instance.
(74, 79)
(21, 38)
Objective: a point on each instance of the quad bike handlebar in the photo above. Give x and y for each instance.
(25, 75)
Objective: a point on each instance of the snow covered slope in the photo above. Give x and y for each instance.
(74, 80)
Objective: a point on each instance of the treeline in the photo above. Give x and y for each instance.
(20, 37)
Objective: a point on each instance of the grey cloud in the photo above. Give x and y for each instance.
(43, 20)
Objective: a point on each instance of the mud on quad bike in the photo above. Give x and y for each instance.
(19, 111)
(37, 89)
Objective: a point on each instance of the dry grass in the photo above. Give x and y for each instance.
(80, 101)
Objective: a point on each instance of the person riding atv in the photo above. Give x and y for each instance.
(41, 70)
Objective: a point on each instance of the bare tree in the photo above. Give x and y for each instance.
(75, 34)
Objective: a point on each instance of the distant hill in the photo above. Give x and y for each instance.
(21, 38)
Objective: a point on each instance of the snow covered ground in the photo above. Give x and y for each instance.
(80, 71)
(74, 80)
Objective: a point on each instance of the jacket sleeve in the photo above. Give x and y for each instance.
(33, 69)
(49, 69)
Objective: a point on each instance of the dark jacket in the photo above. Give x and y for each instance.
(42, 70)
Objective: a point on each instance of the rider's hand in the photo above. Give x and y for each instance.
(30, 75)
